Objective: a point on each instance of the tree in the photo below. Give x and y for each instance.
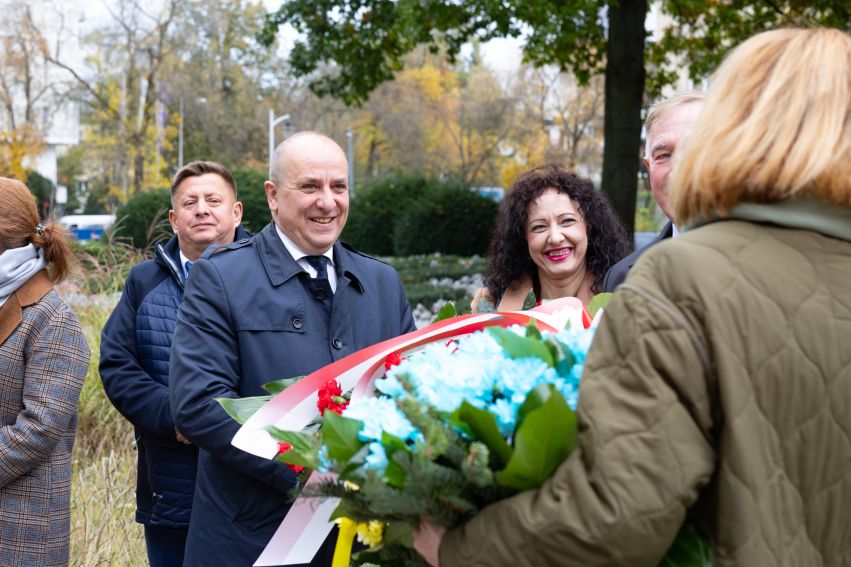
(24, 90)
(363, 41)
(128, 67)
(437, 119)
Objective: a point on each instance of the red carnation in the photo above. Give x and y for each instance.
(392, 360)
(331, 397)
(283, 447)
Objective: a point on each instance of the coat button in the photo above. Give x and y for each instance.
(298, 323)
(321, 294)
(337, 343)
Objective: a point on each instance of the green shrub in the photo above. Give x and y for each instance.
(377, 207)
(41, 187)
(415, 269)
(143, 221)
(450, 220)
(255, 208)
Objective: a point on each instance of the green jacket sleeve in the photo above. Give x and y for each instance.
(645, 451)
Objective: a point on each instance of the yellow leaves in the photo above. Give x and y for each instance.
(16, 146)
(434, 85)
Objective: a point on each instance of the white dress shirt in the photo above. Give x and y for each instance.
(298, 255)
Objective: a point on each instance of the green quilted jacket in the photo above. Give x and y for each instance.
(718, 388)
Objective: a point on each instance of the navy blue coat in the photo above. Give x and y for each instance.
(617, 273)
(248, 318)
(134, 360)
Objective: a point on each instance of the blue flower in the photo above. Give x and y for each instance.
(379, 414)
(390, 386)
(377, 458)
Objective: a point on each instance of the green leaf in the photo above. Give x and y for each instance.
(340, 436)
(536, 398)
(278, 386)
(521, 347)
(446, 312)
(690, 549)
(541, 444)
(564, 358)
(532, 331)
(598, 302)
(483, 426)
(398, 533)
(240, 409)
(395, 472)
(305, 447)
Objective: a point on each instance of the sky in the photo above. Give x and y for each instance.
(501, 55)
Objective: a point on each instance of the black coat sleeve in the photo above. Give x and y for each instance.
(133, 392)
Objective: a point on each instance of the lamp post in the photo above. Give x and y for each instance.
(273, 121)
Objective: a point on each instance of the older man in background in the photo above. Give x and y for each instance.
(668, 123)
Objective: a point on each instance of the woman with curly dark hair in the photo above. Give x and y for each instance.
(556, 236)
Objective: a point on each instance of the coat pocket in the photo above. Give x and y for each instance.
(25, 511)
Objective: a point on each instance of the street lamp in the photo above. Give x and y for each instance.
(272, 123)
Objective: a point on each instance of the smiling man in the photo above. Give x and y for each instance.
(669, 122)
(283, 304)
(135, 349)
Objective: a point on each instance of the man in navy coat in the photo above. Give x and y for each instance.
(285, 303)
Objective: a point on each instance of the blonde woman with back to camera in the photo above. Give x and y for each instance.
(43, 361)
(718, 385)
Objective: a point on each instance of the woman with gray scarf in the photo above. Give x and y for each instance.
(43, 362)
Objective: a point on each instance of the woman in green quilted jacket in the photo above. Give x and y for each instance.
(718, 386)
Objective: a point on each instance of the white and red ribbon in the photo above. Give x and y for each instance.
(306, 525)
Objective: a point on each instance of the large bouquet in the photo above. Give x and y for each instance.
(444, 429)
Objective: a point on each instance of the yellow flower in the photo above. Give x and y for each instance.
(350, 486)
(371, 534)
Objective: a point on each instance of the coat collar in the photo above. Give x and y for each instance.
(168, 255)
(804, 213)
(11, 313)
(280, 265)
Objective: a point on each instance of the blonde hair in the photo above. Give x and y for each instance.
(19, 226)
(776, 124)
(663, 107)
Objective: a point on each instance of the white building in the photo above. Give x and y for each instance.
(54, 114)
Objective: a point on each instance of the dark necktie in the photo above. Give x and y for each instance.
(188, 266)
(320, 286)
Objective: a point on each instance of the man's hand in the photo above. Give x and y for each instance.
(427, 540)
(181, 438)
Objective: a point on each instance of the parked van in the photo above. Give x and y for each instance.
(87, 227)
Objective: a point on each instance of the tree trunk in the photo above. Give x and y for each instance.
(624, 96)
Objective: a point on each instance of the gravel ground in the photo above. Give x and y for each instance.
(423, 315)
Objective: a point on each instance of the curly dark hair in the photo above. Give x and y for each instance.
(508, 254)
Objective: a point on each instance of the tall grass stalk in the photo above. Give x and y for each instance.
(103, 502)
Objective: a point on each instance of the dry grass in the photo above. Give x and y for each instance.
(103, 495)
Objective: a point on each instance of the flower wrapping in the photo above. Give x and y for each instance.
(445, 427)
